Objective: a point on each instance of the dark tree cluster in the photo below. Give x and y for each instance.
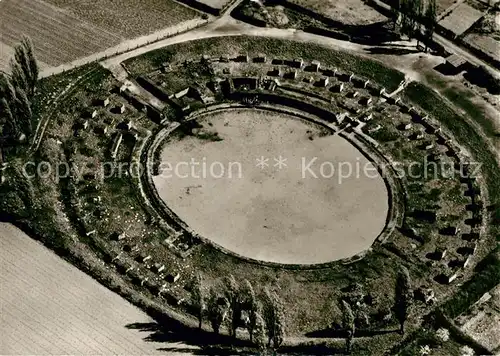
(236, 305)
(409, 16)
(16, 94)
(354, 311)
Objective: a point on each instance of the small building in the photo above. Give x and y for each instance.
(323, 82)
(425, 295)
(142, 258)
(367, 100)
(119, 109)
(433, 129)
(446, 278)
(90, 113)
(456, 63)
(244, 58)
(437, 255)
(118, 236)
(449, 231)
(224, 59)
(291, 75)
(460, 262)
(425, 215)
(101, 130)
(246, 83)
(260, 59)
(471, 237)
(337, 88)
(276, 72)
(82, 125)
(152, 286)
(125, 125)
(365, 84)
(467, 250)
(298, 63)
(351, 77)
(315, 65)
(158, 268)
(101, 102)
(172, 277)
(405, 126)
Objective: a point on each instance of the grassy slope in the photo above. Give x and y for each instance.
(273, 48)
(430, 101)
(488, 271)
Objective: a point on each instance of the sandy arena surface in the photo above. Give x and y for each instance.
(280, 215)
(49, 307)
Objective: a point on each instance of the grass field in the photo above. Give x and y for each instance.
(48, 307)
(349, 12)
(286, 215)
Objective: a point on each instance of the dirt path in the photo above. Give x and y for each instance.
(47, 306)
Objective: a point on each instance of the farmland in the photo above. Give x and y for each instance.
(58, 37)
(50, 307)
(63, 31)
(128, 18)
(485, 35)
(461, 18)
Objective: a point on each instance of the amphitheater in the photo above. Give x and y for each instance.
(309, 234)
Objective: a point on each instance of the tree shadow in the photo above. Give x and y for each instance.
(446, 69)
(481, 78)
(337, 333)
(209, 343)
(392, 50)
